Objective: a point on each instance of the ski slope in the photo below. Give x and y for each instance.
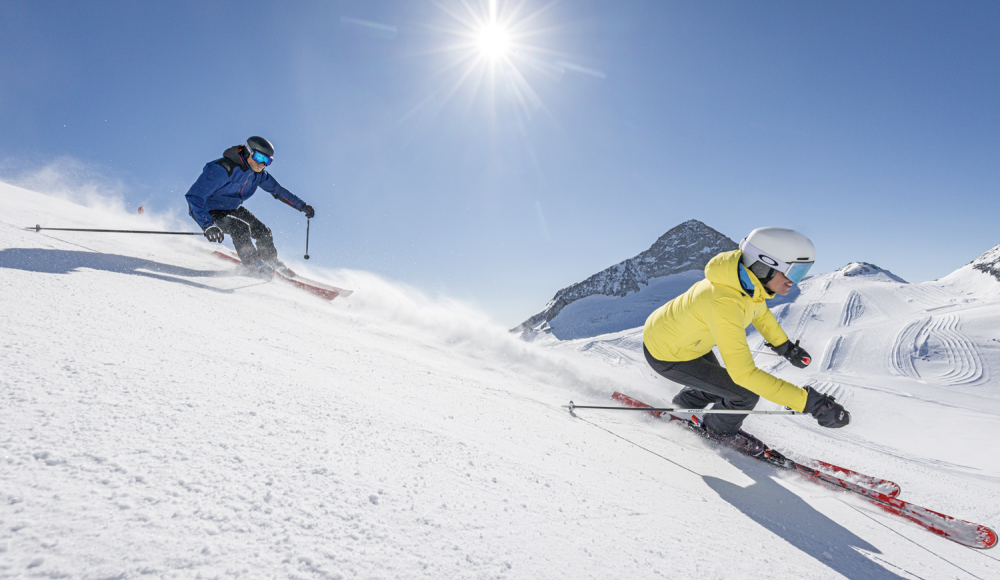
(162, 416)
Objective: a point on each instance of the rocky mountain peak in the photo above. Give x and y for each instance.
(988, 262)
(688, 246)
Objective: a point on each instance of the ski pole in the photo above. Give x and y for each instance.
(573, 406)
(806, 360)
(38, 228)
(307, 239)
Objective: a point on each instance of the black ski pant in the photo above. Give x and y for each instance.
(244, 227)
(707, 382)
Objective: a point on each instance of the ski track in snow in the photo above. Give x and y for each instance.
(810, 313)
(854, 307)
(836, 351)
(936, 338)
(927, 295)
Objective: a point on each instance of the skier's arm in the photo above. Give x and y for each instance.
(197, 197)
(726, 324)
(271, 185)
(768, 327)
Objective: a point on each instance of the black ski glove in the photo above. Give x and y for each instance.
(794, 353)
(214, 233)
(827, 412)
(309, 211)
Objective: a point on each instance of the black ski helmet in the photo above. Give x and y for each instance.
(260, 145)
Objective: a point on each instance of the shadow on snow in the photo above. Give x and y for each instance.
(789, 517)
(69, 261)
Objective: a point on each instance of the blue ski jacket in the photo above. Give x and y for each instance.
(224, 184)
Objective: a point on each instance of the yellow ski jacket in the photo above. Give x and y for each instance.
(717, 311)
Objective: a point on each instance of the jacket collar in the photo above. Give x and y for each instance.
(724, 269)
(235, 155)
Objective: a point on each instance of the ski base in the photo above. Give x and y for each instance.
(872, 489)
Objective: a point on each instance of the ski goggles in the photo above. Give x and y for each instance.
(794, 271)
(259, 157)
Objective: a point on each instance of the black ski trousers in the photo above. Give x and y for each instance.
(244, 227)
(707, 382)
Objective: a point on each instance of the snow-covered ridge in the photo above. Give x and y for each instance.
(988, 262)
(869, 270)
(688, 246)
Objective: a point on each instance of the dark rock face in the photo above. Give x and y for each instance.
(688, 246)
(989, 262)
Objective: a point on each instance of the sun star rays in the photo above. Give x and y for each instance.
(489, 51)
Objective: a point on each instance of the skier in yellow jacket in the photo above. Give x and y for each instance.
(678, 337)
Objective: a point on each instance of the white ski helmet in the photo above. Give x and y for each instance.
(770, 250)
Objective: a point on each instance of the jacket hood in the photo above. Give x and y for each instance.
(235, 155)
(724, 269)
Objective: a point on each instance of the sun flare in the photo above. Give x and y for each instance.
(493, 41)
(495, 50)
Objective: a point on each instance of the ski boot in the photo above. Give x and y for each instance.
(260, 270)
(741, 440)
(280, 267)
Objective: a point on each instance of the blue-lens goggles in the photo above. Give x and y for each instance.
(797, 271)
(259, 157)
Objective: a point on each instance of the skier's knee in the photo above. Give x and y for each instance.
(748, 401)
(264, 235)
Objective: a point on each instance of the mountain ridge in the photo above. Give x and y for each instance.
(988, 262)
(687, 246)
(866, 269)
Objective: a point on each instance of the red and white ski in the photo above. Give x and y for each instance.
(313, 287)
(878, 484)
(879, 492)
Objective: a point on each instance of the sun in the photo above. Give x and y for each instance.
(493, 41)
(494, 50)
(487, 48)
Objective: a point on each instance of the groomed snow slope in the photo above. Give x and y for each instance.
(161, 416)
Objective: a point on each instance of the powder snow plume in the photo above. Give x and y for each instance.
(465, 330)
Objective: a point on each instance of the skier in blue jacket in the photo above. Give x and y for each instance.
(216, 199)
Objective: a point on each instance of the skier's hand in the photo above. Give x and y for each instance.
(794, 353)
(214, 233)
(309, 211)
(826, 410)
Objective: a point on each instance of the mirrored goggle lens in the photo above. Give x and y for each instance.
(261, 158)
(796, 272)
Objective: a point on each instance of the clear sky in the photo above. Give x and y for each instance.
(500, 172)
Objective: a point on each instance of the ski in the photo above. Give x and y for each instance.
(313, 287)
(878, 484)
(959, 531)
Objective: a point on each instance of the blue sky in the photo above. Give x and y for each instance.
(872, 127)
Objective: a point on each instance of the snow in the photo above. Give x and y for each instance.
(162, 416)
(600, 314)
